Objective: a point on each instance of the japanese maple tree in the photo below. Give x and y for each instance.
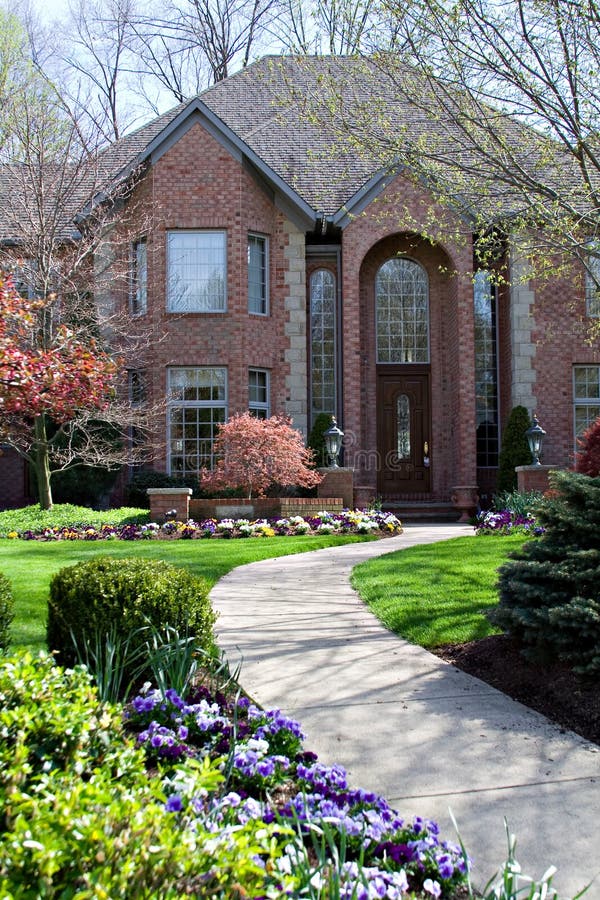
(47, 374)
(587, 460)
(254, 454)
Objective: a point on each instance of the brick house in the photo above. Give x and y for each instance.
(285, 276)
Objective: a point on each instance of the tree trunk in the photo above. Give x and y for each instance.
(42, 462)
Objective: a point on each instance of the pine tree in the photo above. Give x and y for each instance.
(550, 589)
(515, 449)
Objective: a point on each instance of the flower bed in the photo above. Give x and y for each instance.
(346, 522)
(507, 522)
(208, 796)
(271, 779)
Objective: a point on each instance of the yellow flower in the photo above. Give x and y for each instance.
(13, 534)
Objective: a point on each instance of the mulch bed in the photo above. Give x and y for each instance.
(570, 700)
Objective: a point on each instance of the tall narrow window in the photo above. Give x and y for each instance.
(486, 370)
(139, 278)
(401, 297)
(323, 350)
(258, 282)
(592, 281)
(403, 424)
(586, 398)
(137, 386)
(258, 393)
(197, 404)
(196, 271)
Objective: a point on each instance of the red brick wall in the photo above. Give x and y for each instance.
(197, 184)
(385, 229)
(562, 339)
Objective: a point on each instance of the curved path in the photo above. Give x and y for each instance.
(407, 724)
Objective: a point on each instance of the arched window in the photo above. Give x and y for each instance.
(322, 342)
(402, 303)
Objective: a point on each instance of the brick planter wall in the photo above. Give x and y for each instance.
(264, 508)
(533, 478)
(338, 482)
(163, 500)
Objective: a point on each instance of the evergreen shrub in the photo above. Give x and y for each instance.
(515, 449)
(550, 589)
(316, 439)
(6, 611)
(121, 597)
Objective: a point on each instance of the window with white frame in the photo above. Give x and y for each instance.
(402, 304)
(139, 278)
(258, 393)
(592, 281)
(196, 271)
(323, 343)
(197, 404)
(258, 269)
(586, 398)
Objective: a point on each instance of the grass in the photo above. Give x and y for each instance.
(439, 593)
(31, 564)
(34, 518)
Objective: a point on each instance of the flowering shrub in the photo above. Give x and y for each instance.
(346, 522)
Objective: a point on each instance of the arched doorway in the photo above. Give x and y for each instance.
(403, 377)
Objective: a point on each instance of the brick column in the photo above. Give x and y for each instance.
(533, 478)
(167, 500)
(337, 483)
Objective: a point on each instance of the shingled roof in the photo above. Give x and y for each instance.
(327, 127)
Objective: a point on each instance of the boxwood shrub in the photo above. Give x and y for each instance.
(121, 596)
(6, 611)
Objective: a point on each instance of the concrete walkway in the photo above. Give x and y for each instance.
(409, 725)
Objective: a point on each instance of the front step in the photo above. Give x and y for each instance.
(426, 511)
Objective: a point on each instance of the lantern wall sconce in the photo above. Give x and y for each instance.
(535, 438)
(333, 443)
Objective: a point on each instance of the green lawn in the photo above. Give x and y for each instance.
(30, 565)
(438, 593)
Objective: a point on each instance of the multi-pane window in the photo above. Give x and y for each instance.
(592, 283)
(197, 404)
(401, 296)
(196, 271)
(139, 277)
(258, 282)
(586, 398)
(322, 342)
(486, 370)
(258, 393)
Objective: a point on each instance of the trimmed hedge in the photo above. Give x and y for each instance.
(120, 596)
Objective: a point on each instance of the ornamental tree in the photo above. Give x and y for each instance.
(588, 456)
(47, 375)
(254, 454)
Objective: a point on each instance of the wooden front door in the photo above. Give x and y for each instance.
(403, 426)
